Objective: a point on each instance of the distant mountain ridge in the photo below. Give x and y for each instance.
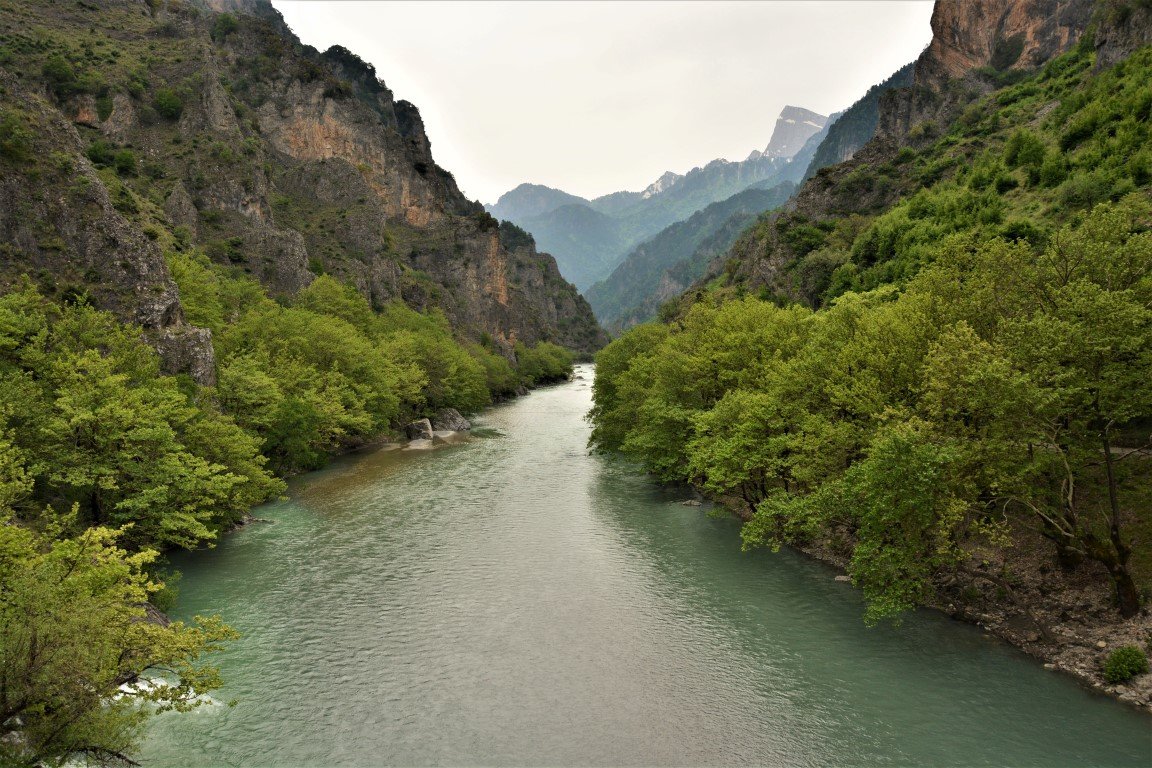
(587, 247)
(529, 200)
(635, 289)
(663, 266)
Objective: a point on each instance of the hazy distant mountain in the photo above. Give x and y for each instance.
(857, 125)
(795, 170)
(616, 202)
(529, 200)
(581, 239)
(662, 184)
(661, 267)
(636, 287)
(587, 247)
(793, 128)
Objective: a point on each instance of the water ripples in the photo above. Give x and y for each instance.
(516, 601)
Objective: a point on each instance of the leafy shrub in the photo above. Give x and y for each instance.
(802, 237)
(1024, 149)
(1005, 183)
(100, 153)
(168, 104)
(15, 138)
(1084, 190)
(812, 275)
(1053, 171)
(1125, 663)
(225, 25)
(104, 107)
(124, 162)
(1083, 126)
(60, 75)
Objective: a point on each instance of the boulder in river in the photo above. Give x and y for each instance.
(421, 429)
(450, 420)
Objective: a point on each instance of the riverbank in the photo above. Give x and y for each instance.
(1064, 619)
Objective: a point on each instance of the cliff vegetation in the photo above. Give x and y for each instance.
(224, 256)
(936, 363)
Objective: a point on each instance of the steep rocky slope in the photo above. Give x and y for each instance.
(209, 125)
(857, 125)
(976, 48)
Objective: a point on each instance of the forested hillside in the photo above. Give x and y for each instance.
(935, 370)
(224, 257)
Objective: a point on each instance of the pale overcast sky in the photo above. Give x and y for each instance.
(596, 97)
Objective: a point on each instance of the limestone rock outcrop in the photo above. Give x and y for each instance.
(421, 429)
(450, 419)
(269, 156)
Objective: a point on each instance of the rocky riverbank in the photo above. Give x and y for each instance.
(1066, 619)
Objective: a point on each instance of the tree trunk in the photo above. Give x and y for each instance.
(1068, 558)
(1127, 596)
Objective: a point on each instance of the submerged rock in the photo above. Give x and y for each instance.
(420, 444)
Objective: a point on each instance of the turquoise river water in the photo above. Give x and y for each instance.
(516, 601)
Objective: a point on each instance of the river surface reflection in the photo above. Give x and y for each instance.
(517, 601)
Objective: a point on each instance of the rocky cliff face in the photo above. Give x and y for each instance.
(270, 156)
(794, 126)
(64, 228)
(1126, 25)
(976, 45)
(1002, 34)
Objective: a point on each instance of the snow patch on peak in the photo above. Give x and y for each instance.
(661, 184)
(794, 126)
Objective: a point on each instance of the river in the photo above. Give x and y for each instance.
(517, 601)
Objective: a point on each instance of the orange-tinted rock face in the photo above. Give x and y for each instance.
(967, 37)
(1003, 34)
(498, 288)
(283, 162)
